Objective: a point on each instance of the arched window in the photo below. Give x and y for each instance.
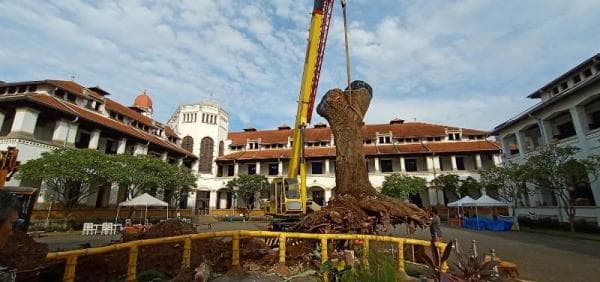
(188, 144)
(221, 149)
(206, 154)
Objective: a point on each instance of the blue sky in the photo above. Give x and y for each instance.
(462, 63)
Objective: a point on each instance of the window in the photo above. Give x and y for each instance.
(273, 169)
(587, 73)
(564, 85)
(385, 139)
(576, 78)
(460, 163)
(451, 136)
(368, 141)
(410, 164)
(221, 149)
(206, 154)
(554, 90)
(386, 165)
(230, 170)
(429, 139)
(12, 90)
(253, 145)
(2, 90)
(565, 130)
(456, 136)
(22, 89)
(317, 167)
(251, 169)
(32, 88)
(437, 138)
(220, 171)
(187, 143)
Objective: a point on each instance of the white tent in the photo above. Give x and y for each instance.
(485, 201)
(144, 200)
(458, 204)
(462, 202)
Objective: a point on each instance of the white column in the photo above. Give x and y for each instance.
(24, 121)
(195, 165)
(164, 156)
(433, 199)
(580, 122)
(429, 163)
(94, 139)
(497, 159)
(436, 163)
(257, 168)
(478, 164)
(327, 167)
(402, 165)
(547, 131)
(140, 149)
(280, 168)
(179, 161)
(212, 200)
(114, 194)
(327, 195)
(65, 132)
(121, 146)
(520, 143)
(453, 162)
(236, 169)
(2, 116)
(377, 169)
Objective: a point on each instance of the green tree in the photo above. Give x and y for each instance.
(400, 186)
(510, 181)
(181, 182)
(70, 175)
(556, 169)
(470, 186)
(142, 173)
(449, 184)
(247, 188)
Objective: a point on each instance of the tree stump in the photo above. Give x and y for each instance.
(356, 207)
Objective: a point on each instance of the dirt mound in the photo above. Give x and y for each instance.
(365, 215)
(163, 229)
(23, 253)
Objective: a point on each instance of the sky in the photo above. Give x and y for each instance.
(461, 63)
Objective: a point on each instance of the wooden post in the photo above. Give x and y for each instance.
(282, 242)
(187, 253)
(132, 264)
(70, 266)
(324, 257)
(401, 268)
(235, 249)
(366, 254)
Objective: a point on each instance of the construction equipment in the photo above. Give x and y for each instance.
(288, 196)
(26, 196)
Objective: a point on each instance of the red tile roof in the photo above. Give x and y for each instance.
(66, 107)
(118, 108)
(407, 129)
(74, 88)
(370, 150)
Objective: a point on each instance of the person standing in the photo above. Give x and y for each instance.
(436, 225)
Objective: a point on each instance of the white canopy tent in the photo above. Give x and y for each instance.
(485, 201)
(458, 204)
(144, 200)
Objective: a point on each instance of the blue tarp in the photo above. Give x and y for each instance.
(487, 224)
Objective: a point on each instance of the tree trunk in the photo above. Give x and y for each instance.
(515, 218)
(345, 111)
(357, 207)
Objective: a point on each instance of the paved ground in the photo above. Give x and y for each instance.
(539, 257)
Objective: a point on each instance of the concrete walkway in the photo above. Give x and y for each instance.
(539, 257)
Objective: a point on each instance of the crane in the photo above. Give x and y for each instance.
(288, 196)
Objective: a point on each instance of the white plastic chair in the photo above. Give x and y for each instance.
(107, 229)
(88, 229)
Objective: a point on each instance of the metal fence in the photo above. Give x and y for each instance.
(133, 246)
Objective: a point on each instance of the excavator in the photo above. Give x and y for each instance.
(26, 196)
(287, 201)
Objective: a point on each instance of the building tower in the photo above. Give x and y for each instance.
(143, 104)
(203, 128)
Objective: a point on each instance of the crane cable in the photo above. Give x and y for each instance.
(348, 71)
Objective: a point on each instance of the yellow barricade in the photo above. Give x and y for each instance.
(71, 256)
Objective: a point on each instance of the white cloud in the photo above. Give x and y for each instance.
(465, 63)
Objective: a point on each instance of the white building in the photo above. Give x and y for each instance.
(568, 112)
(411, 148)
(40, 116)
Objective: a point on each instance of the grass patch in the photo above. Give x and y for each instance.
(560, 233)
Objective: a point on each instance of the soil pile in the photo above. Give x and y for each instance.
(23, 253)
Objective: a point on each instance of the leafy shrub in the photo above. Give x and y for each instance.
(581, 225)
